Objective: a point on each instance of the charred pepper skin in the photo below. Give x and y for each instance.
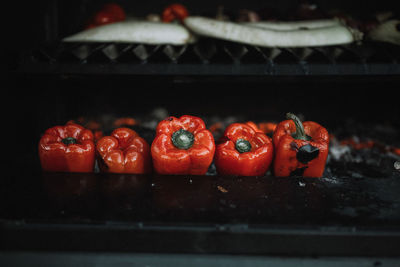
(182, 146)
(124, 151)
(300, 154)
(243, 151)
(68, 148)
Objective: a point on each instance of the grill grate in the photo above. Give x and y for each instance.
(368, 58)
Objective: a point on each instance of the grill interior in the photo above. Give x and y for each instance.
(348, 89)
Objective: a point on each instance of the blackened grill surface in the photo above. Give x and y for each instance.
(211, 57)
(331, 216)
(100, 198)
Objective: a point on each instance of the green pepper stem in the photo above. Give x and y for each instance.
(182, 139)
(242, 145)
(69, 140)
(300, 133)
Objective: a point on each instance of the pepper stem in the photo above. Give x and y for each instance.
(69, 140)
(182, 139)
(300, 133)
(242, 145)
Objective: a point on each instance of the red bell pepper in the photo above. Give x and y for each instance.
(92, 125)
(243, 151)
(182, 146)
(109, 13)
(68, 148)
(301, 149)
(254, 126)
(125, 121)
(124, 151)
(174, 12)
(265, 127)
(115, 10)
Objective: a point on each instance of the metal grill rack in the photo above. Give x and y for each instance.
(214, 57)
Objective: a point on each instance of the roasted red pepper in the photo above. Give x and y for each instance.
(243, 151)
(254, 126)
(115, 10)
(182, 146)
(265, 127)
(124, 151)
(396, 150)
(109, 13)
(125, 121)
(357, 144)
(92, 125)
(68, 148)
(301, 149)
(174, 12)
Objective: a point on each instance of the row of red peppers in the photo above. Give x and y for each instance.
(184, 146)
(112, 12)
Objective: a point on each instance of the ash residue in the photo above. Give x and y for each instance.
(347, 160)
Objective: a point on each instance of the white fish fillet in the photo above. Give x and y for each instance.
(144, 32)
(235, 32)
(294, 25)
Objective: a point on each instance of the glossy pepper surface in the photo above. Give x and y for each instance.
(124, 151)
(182, 146)
(301, 149)
(243, 151)
(68, 148)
